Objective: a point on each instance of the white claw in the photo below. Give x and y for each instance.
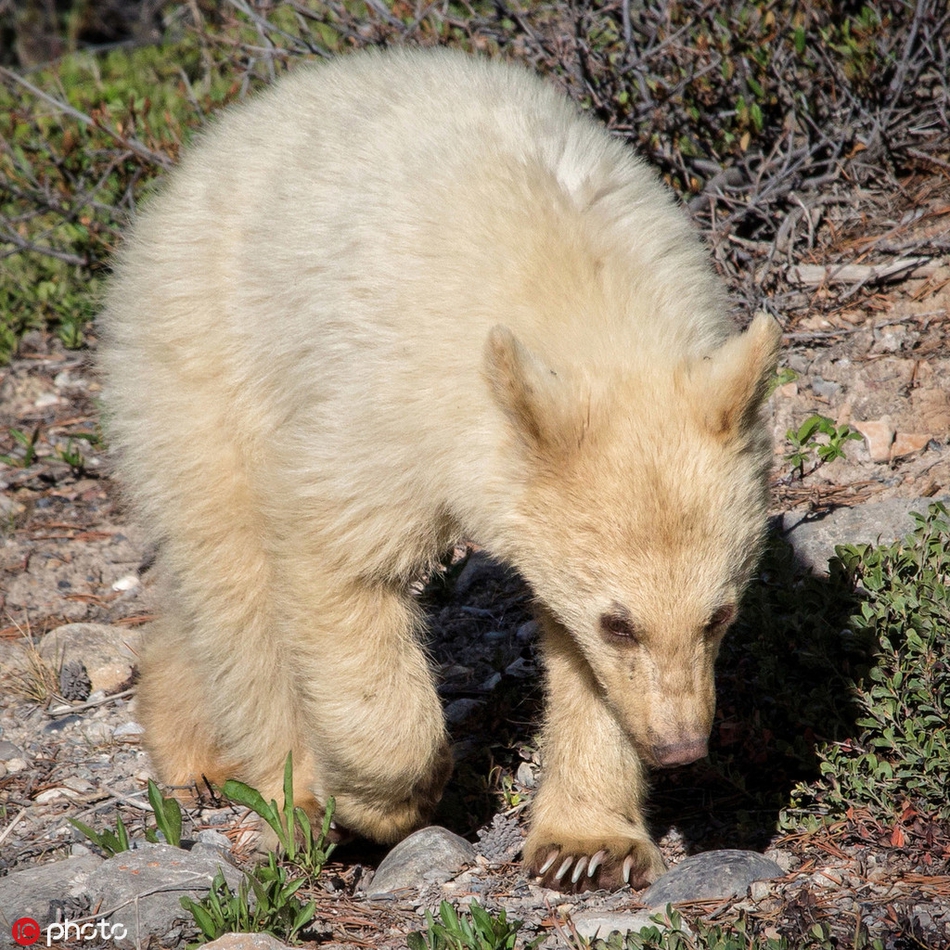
(595, 862)
(627, 868)
(552, 857)
(562, 870)
(579, 869)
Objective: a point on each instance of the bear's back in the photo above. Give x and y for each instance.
(431, 187)
(330, 257)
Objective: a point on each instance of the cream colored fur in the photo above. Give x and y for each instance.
(398, 300)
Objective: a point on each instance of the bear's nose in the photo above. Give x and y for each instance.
(680, 753)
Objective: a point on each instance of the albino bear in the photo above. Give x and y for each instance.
(399, 300)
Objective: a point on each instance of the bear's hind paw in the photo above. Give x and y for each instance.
(582, 867)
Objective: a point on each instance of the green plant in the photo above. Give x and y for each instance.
(673, 933)
(511, 794)
(816, 441)
(111, 842)
(312, 851)
(901, 758)
(478, 930)
(28, 444)
(274, 909)
(783, 375)
(167, 813)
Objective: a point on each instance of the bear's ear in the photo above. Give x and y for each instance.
(544, 408)
(735, 378)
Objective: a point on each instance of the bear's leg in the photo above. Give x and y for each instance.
(587, 827)
(374, 719)
(170, 699)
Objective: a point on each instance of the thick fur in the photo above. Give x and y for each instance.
(395, 301)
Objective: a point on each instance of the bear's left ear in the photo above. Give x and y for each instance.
(735, 378)
(546, 410)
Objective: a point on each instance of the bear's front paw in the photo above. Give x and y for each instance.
(587, 864)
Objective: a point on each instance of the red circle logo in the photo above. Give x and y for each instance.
(26, 931)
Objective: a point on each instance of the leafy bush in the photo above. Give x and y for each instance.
(478, 930)
(816, 442)
(289, 822)
(902, 756)
(108, 841)
(672, 933)
(275, 909)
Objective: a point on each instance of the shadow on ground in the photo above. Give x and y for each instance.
(783, 686)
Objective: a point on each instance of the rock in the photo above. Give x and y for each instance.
(825, 389)
(128, 729)
(245, 942)
(108, 653)
(877, 522)
(138, 891)
(909, 443)
(521, 668)
(879, 437)
(210, 840)
(713, 875)
(128, 582)
(479, 569)
(30, 892)
(61, 723)
(592, 924)
(786, 860)
(9, 751)
(527, 631)
(429, 856)
(460, 709)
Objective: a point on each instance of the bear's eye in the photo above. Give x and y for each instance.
(618, 625)
(722, 617)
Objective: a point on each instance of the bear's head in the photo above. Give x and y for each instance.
(638, 516)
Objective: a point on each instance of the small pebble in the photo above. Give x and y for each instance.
(64, 722)
(49, 795)
(97, 731)
(128, 729)
(491, 682)
(129, 582)
(9, 751)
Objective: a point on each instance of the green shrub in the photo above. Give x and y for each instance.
(265, 902)
(902, 755)
(477, 930)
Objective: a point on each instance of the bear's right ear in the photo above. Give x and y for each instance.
(543, 407)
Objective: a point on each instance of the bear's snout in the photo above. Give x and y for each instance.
(680, 753)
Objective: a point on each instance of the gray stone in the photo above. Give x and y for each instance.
(108, 653)
(210, 840)
(825, 389)
(430, 856)
(591, 924)
(29, 893)
(9, 751)
(813, 538)
(139, 891)
(713, 875)
(460, 709)
(245, 942)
